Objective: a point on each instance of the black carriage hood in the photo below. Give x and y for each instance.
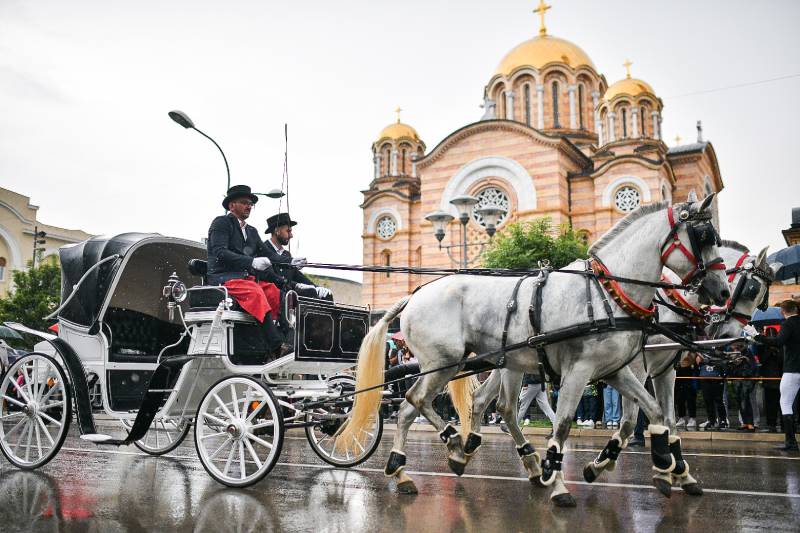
(77, 259)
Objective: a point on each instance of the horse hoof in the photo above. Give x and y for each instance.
(564, 500)
(407, 487)
(664, 487)
(456, 466)
(693, 489)
(589, 474)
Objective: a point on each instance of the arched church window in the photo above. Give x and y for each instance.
(501, 105)
(2, 268)
(527, 104)
(707, 189)
(580, 106)
(491, 196)
(387, 261)
(624, 123)
(554, 88)
(386, 227)
(403, 162)
(627, 198)
(643, 115)
(387, 156)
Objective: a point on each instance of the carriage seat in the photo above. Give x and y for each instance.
(205, 300)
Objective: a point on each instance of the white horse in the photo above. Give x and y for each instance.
(750, 278)
(459, 315)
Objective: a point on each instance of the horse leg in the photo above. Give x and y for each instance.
(607, 459)
(480, 401)
(665, 392)
(663, 460)
(569, 395)
(396, 464)
(507, 407)
(421, 396)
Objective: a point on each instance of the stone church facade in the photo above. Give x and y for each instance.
(556, 140)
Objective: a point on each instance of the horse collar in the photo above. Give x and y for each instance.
(618, 295)
(694, 315)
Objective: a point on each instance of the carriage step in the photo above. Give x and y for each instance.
(97, 438)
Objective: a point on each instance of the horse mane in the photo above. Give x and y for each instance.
(620, 226)
(735, 245)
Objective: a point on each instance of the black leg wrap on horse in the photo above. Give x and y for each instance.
(395, 463)
(448, 433)
(526, 449)
(551, 464)
(660, 452)
(472, 444)
(680, 465)
(610, 452)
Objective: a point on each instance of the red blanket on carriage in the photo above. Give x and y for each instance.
(256, 297)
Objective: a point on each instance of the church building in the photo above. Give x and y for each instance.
(556, 140)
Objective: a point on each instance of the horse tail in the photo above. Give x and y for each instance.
(461, 391)
(369, 373)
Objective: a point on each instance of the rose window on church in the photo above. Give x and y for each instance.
(491, 196)
(627, 198)
(386, 227)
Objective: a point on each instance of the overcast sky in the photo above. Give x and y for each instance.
(85, 87)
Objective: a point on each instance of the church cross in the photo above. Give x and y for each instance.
(540, 10)
(398, 113)
(627, 64)
(677, 140)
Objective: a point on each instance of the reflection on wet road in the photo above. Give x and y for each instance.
(109, 489)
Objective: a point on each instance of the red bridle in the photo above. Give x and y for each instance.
(676, 244)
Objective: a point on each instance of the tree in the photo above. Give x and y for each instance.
(36, 294)
(522, 245)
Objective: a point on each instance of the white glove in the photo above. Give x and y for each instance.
(261, 263)
(749, 331)
(323, 293)
(299, 262)
(303, 286)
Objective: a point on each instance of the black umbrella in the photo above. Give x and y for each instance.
(8, 333)
(790, 259)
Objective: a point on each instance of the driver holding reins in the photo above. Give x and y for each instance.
(237, 260)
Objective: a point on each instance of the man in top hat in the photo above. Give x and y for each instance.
(287, 267)
(236, 259)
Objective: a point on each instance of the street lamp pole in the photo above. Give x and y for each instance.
(465, 204)
(183, 119)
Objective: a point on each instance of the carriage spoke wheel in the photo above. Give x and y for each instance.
(330, 421)
(239, 431)
(165, 434)
(35, 411)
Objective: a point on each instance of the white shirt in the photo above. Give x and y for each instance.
(278, 248)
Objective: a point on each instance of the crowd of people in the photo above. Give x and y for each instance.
(764, 372)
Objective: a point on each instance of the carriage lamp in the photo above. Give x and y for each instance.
(440, 220)
(491, 214)
(175, 289)
(183, 119)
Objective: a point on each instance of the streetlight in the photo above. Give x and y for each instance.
(183, 119)
(464, 205)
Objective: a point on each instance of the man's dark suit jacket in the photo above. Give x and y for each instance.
(231, 257)
(282, 262)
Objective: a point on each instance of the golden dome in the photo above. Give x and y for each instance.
(628, 87)
(540, 51)
(397, 131)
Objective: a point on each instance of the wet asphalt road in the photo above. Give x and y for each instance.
(88, 489)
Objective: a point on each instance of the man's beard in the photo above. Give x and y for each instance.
(283, 241)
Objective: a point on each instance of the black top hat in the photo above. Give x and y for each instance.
(281, 219)
(238, 191)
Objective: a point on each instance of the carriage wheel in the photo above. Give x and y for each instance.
(164, 435)
(239, 431)
(35, 411)
(322, 436)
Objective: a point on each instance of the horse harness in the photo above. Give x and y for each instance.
(596, 274)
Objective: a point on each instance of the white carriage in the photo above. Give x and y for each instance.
(170, 353)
